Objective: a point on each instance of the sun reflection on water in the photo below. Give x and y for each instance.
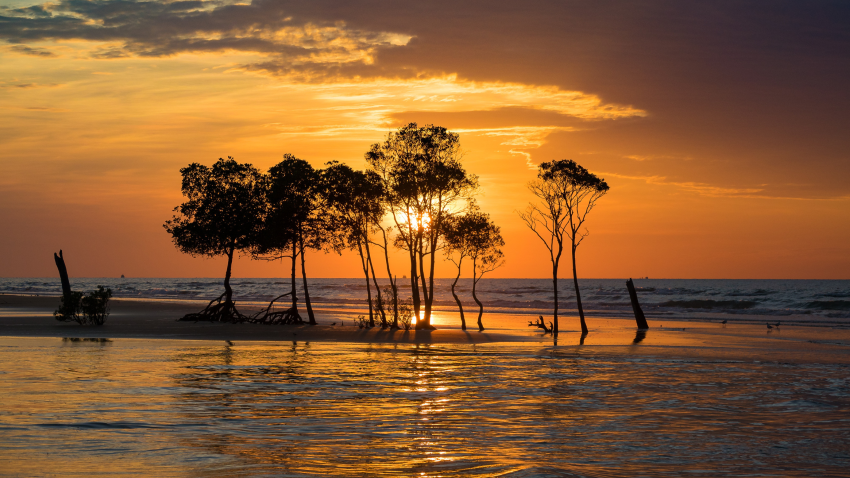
(212, 409)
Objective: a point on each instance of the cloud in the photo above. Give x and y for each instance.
(123, 28)
(762, 191)
(27, 86)
(25, 50)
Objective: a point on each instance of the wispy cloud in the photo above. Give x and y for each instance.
(30, 51)
(27, 86)
(763, 191)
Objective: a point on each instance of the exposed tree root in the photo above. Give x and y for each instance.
(272, 316)
(218, 310)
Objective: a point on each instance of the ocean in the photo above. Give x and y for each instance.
(815, 302)
(130, 407)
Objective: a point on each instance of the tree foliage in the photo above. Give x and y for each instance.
(223, 213)
(356, 207)
(88, 309)
(474, 235)
(425, 184)
(294, 223)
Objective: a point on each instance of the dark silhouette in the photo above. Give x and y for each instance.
(475, 236)
(272, 314)
(424, 182)
(639, 336)
(89, 309)
(223, 214)
(355, 206)
(568, 193)
(724, 322)
(63, 273)
(457, 249)
(293, 223)
(639, 317)
(541, 325)
(769, 327)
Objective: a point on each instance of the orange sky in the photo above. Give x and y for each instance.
(721, 130)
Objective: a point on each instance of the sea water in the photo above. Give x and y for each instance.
(100, 407)
(825, 302)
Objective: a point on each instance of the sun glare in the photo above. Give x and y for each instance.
(417, 221)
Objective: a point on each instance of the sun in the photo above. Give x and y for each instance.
(417, 221)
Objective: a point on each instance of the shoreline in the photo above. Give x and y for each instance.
(31, 316)
(349, 311)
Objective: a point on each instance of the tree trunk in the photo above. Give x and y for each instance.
(63, 273)
(228, 292)
(392, 280)
(639, 317)
(435, 237)
(578, 295)
(555, 287)
(294, 258)
(474, 296)
(425, 323)
(381, 306)
(457, 299)
(310, 315)
(365, 266)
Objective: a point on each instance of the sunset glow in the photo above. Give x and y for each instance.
(705, 173)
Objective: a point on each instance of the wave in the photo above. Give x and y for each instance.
(752, 293)
(829, 305)
(710, 304)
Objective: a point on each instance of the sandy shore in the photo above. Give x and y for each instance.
(31, 316)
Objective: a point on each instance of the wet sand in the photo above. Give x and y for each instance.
(31, 316)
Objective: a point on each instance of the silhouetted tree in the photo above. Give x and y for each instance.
(391, 294)
(295, 222)
(475, 236)
(567, 193)
(355, 206)
(425, 182)
(223, 213)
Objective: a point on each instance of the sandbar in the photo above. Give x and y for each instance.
(31, 316)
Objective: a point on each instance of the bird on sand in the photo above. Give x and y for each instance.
(769, 327)
(724, 322)
(333, 324)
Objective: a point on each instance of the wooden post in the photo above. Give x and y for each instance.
(63, 273)
(639, 317)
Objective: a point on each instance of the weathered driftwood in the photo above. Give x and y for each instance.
(639, 317)
(63, 273)
(540, 324)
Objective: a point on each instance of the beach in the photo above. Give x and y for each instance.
(31, 316)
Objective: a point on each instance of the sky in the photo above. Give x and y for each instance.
(721, 127)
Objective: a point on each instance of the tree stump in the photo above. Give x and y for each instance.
(639, 317)
(63, 273)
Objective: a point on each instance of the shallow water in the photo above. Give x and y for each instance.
(174, 408)
(815, 301)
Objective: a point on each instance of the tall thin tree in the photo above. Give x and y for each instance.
(355, 206)
(295, 219)
(474, 235)
(567, 193)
